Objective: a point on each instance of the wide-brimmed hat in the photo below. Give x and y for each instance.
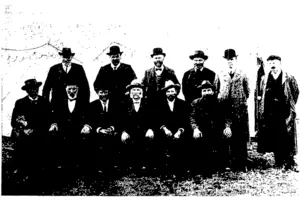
(31, 83)
(114, 50)
(205, 85)
(134, 84)
(170, 84)
(200, 54)
(157, 51)
(229, 54)
(66, 52)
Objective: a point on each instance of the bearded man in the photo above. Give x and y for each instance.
(205, 121)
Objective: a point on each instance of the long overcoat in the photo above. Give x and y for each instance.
(291, 92)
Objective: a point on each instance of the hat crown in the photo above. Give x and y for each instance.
(206, 84)
(113, 50)
(30, 82)
(66, 52)
(229, 53)
(158, 51)
(169, 83)
(199, 53)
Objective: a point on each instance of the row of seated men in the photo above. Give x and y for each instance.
(131, 134)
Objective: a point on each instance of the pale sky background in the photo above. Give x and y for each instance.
(250, 27)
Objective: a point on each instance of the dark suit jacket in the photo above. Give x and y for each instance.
(176, 119)
(115, 81)
(69, 123)
(36, 114)
(56, 82)
(96, 117)
(208, 118)
(152, 90)
(192, 79)
(136, 124)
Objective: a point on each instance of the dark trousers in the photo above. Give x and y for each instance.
(234, 153)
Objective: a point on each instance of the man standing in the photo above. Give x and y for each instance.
(116, 75)
(103, 122)
(30, 122)
(137, 133)
(205, 120)
(58, 76)
(233, 96)
(173, 124)
(277, 114)
(194, 77)
(155, 78)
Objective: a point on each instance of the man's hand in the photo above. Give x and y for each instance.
(197, 133)
(21, 120)
(86, 129)
(177, 134)
(150, 134)
(53, 127)
(227, 132)
(125, 136)
(28, 131)
(167, 132)
(100, 130)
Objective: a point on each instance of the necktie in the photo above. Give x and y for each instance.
(158, 69)
(231, 74)
(115, 68)
(105, 108)
(67, 68)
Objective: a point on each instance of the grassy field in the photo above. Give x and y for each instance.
(262, 180)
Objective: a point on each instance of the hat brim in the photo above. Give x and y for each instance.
(228, 58)
(129, 87)
(25, 87)
(114, 53)
(203, 57)
(158, 54)
(177, 86)
(66, 55)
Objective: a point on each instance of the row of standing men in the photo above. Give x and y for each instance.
(141, 123)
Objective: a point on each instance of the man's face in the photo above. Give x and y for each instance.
(115, 59)
(136, 94)
(206, 92)
(158, 60)
(231, 64)
(171, 94)
(67, 59)
(274, 65)
(198, 62)
(103, 95)
(72, 91)
(33, 92)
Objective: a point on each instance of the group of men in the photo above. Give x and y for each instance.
(145, 125)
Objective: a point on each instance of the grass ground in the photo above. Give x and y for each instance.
(262, 180)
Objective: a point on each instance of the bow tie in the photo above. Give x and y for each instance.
(158, 69)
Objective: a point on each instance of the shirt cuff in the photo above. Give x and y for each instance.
(162, 127)
(181, 130)
(98, 129)
(112, 128)
(86, 125)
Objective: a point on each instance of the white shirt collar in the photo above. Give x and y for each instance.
(171, 104)
(158, 72)
(33, 99)
(106, 104)
(113, 66)
(71, 105)
(275, 76)
(195, 68)
(65, 67)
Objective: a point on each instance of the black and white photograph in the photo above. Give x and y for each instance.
(150, 98)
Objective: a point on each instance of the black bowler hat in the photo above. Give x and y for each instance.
(229, 54)
(158, 51)
(274, 57)
(199, 54)
(114, 50)
(31, 83)
(66, 52)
